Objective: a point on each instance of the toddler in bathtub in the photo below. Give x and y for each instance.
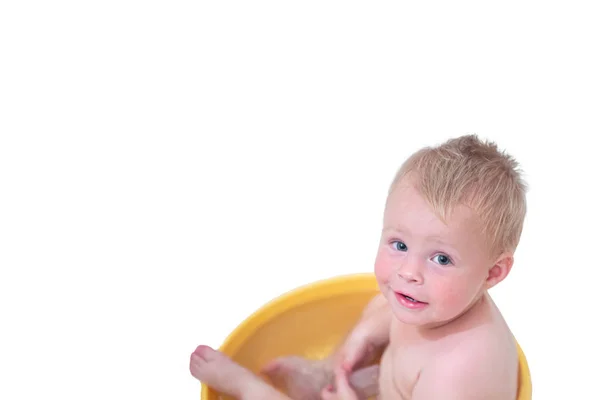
(452, 222)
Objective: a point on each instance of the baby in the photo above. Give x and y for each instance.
(452, 222)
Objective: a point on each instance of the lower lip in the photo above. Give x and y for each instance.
(409, 304)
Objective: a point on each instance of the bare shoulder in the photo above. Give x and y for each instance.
(483, 365)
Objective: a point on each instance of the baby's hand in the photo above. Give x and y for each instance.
(342, 390)
(357, 351)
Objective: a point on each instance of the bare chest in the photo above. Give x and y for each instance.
(406, 357)
(400, 368)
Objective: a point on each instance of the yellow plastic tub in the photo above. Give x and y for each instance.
(310, 321)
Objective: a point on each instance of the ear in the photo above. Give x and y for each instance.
(499, 270)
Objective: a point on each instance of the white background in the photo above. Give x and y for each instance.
(160, 162)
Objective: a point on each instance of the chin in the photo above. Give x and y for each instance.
(408, 319)
(418, 321)
(413, 319)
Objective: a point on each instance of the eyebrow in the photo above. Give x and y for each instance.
(399, 230)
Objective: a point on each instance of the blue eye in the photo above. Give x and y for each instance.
(442, 259)
(399, 246)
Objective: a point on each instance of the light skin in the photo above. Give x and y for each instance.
(442, 336)
(453, 331)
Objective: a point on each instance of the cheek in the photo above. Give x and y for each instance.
(382, 267)
(451, 295)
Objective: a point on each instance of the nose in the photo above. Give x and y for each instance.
(410, 271)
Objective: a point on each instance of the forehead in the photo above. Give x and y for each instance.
(406, 210)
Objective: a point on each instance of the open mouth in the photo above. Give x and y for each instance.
(410, 298)
(409, 301)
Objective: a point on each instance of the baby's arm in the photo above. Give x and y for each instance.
(377, 316)
(376, 321)
(369, 336)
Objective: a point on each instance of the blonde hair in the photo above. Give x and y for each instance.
(468, 171)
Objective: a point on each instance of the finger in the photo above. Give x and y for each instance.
(344, 390)
(328, 394)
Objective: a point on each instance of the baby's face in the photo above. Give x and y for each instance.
(429, 272)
